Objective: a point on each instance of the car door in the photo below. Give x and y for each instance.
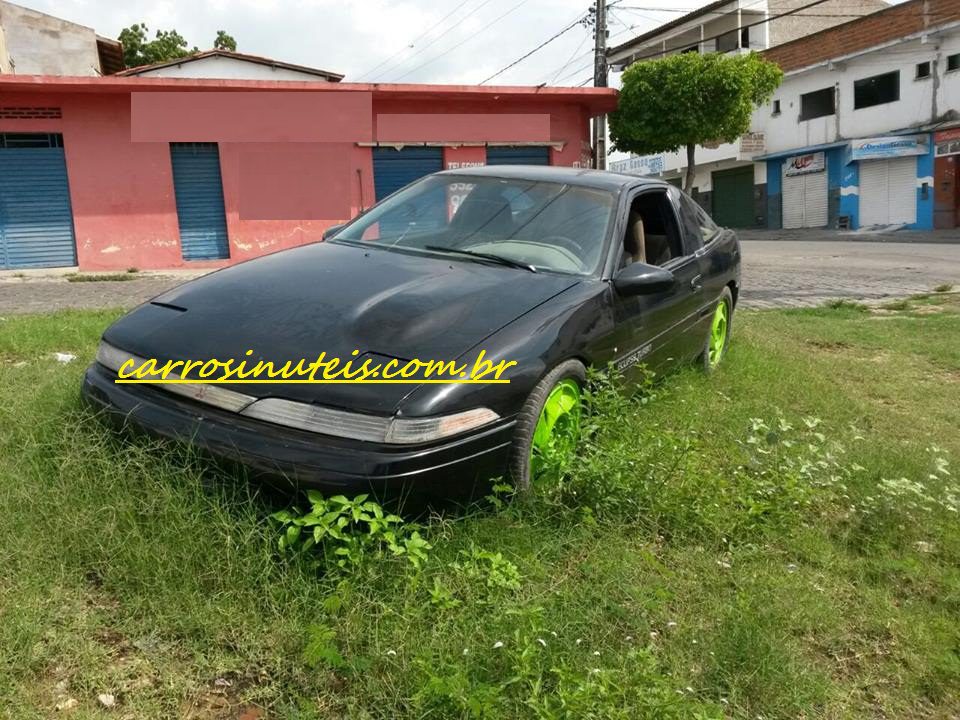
(654, 330)
(707, 241)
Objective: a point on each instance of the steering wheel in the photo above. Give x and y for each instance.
(564, 242)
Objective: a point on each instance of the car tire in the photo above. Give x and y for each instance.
(556, 385)
(718, 332)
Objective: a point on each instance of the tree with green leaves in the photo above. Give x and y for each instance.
(690, 99)
(166, 45)
(225, 41)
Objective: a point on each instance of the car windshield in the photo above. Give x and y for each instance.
(525, 223)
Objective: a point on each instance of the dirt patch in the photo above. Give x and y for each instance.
(929, 309)
(220, 700)
(829, 345)
(952, 376)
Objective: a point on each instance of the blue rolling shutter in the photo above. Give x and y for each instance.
(393, 169)
(36, 222)
(518, 155)
(199, 191)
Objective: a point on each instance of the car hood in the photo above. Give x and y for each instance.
(336, 299)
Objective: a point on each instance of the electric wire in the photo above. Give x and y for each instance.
(542, 45)
(412, 42)
(513, 9)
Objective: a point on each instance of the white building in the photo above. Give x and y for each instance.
(862, 132)
(227, 65)
(728, 182)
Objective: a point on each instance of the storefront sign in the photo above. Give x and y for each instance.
(803, 164)
(947, 142)
(646, 165)
(888, 147)
(752, 143)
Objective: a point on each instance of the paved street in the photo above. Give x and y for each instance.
(810, 272)
(775, 274)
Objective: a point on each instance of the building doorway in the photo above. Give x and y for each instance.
(733, 197)
(946, 193)
(888, 191)
(36, 220)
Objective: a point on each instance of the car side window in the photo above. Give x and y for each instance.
(652, 235)
(698, 228)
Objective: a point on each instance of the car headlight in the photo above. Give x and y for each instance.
(371, 428)
(319, 419)
(113, 358)
(405, 431)
(314, 418)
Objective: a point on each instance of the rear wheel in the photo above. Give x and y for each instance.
(718, 335)
(548, 428)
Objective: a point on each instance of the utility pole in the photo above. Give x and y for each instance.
(600, 80)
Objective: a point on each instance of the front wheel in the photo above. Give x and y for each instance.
(718, 334)
(548, 427)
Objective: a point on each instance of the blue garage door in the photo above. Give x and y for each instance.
(199, 190)
(517, 155)
(36, 222)
(393, 169)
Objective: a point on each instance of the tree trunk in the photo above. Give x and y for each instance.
(691, 169)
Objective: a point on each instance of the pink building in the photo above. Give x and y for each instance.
(141, 172)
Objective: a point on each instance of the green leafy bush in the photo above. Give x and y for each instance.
(344, 532)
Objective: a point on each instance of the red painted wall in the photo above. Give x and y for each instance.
(122, 191)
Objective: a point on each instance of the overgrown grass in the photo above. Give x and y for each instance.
(130, 274)
(777, 540)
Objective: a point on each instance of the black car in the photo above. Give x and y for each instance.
(554, 269)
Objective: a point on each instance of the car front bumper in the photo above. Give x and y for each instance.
(450, 467)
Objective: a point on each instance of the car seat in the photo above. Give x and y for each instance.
(658, 249)
(634, 243)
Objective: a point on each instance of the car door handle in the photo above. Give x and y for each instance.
(695, 283)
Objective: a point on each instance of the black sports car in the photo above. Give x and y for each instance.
(553, 268)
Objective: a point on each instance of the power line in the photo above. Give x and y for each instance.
(635, 58)
(569, 59)
(580, 68)
(466, 40)
(414, 41)
(433, 41)
(546, 42)
(721, 13)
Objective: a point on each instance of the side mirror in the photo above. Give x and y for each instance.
(642, 279)
(332, 230)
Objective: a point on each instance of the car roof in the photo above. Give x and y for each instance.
(600, 179)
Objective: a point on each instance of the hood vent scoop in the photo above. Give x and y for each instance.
(168, 306)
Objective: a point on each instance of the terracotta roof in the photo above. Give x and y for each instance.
(244, 57)
(111, 55)
(884, 26)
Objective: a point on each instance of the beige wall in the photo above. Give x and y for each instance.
(812, 20)
(4, 58)
(39, 44)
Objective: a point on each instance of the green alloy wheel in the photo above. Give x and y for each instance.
(718, 332)
(555, 436)
(718, 336)
(548, 427)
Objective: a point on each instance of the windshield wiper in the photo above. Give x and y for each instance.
(485, 256)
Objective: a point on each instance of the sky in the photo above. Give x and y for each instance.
(430, 41)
